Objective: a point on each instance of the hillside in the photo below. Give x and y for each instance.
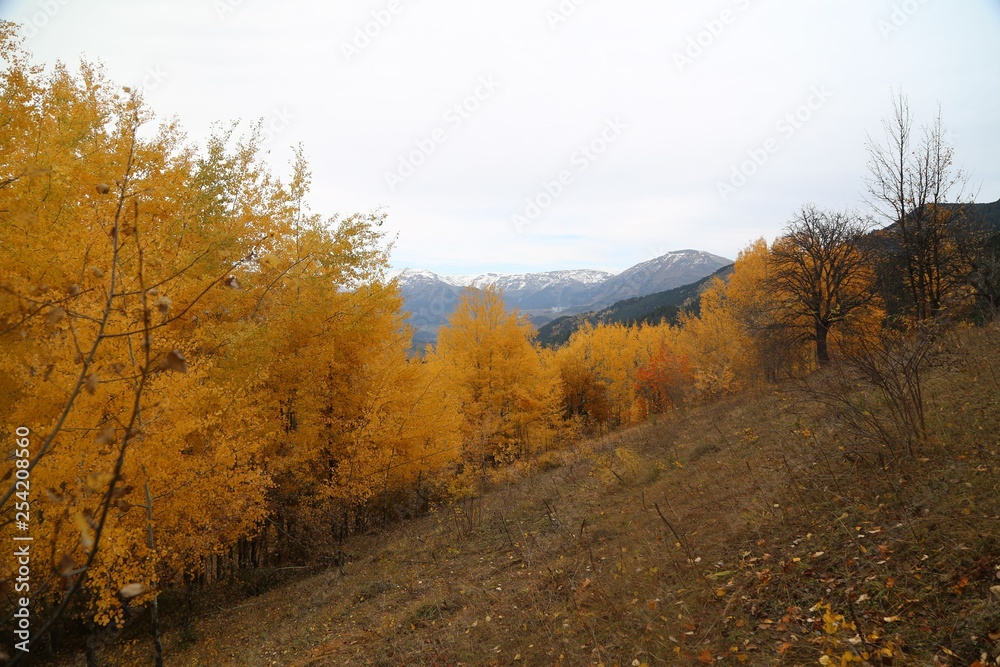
(237, 432)
(649, 309)
(990, 215)
(753, 531)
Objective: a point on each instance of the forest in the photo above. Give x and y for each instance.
(201, 377)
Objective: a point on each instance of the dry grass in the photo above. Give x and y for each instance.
(743, 532)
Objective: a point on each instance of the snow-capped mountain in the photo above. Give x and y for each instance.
(555, 290)
(674, 269)
(431, 297)
(522, 281)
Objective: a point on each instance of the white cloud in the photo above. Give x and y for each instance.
(655, 188)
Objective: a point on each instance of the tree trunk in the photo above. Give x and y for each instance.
(187, 623)
(91, 647)
(154, 611)
(822, 347)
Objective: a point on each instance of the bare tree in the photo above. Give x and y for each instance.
(822, 274)
(910, 182)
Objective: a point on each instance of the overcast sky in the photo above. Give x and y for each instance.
(544, 134)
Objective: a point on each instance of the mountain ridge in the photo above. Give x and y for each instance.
(430, 297)
(649, 309)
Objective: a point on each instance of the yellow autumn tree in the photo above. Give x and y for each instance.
(169, 317)
(718, 340)
(756, 304)
(354, 413)
(106, 255)
(615, 374)
(496, 381)
(131, 272)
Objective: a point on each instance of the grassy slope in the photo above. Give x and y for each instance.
(766, 512)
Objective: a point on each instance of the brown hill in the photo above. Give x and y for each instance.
(764, 529)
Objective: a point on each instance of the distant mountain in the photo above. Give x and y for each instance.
(675, 269)
(553, 291)
(430, 297)
(650, 309)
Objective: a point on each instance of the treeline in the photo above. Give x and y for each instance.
(215, 377)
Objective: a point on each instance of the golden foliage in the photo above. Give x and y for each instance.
(174, 319)
(496, 380)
